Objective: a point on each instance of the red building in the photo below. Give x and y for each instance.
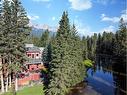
(34, 65)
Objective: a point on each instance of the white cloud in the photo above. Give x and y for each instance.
(41, 0)
(82, 29)
(124, 11)
(112, 19)
(115, 19)
(85, 30)
(53, 18)
(33, 17)
(80, 4)
(124, 15)
(108, 29)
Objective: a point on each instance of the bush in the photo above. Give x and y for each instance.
(88, 63)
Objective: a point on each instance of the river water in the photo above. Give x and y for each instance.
(106, 78)
(104, 83)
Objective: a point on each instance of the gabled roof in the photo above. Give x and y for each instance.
(34, 61)
(33, 49)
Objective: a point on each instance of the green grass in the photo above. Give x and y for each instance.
(34, 90)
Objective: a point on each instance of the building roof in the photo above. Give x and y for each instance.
(29, 45)
(34, 61)
(32, 48)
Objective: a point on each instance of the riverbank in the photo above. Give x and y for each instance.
(82, 88)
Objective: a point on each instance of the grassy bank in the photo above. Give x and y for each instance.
(34, 90)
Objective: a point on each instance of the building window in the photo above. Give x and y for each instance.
(36, 54)
(29, 55)
(32, 69)
(32, 55)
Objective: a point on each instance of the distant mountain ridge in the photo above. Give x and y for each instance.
(38, 32)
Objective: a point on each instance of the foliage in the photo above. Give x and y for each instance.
(88, 63)
(65, 66)
(44, 40)
(120, 43)
(14, 30)
(113, 44)
(14, 24)
(89, 45)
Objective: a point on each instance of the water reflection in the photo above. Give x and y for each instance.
(108, 77)
(120, 78)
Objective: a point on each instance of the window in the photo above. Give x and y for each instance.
(32, 55)
(29, 55)
(36, 54)
(32, 68)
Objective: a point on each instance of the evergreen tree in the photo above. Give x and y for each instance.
(89, 47)
(14, 24)
(59, 78)
(35, 40)
(66, 62)
(84, 48)
(47, 57)
(5, 39)
(44, 40)
(105, 43)
(120, 42)
(20, 29)
(1, 48)
(99, 42)
(77, 68)
(93, 47)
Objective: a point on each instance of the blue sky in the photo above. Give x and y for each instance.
(89, 15)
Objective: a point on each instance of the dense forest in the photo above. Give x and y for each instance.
(66, 49)
(106, 43)
(64, 52)
(13, 33)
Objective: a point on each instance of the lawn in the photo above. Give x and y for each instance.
(34, 90)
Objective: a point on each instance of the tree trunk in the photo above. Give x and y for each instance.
(2, 82)
(10, 80)
(16, 83)
(7, 83)
(1, 77)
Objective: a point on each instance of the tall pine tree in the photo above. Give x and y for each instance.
(66, 59)
(20, 23)
(121, 41)
(44, 40)
(14, 30)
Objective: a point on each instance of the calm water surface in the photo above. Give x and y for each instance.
(108, 79)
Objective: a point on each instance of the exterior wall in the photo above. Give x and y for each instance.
(35, 55)
(26, 80)
(33, 67)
